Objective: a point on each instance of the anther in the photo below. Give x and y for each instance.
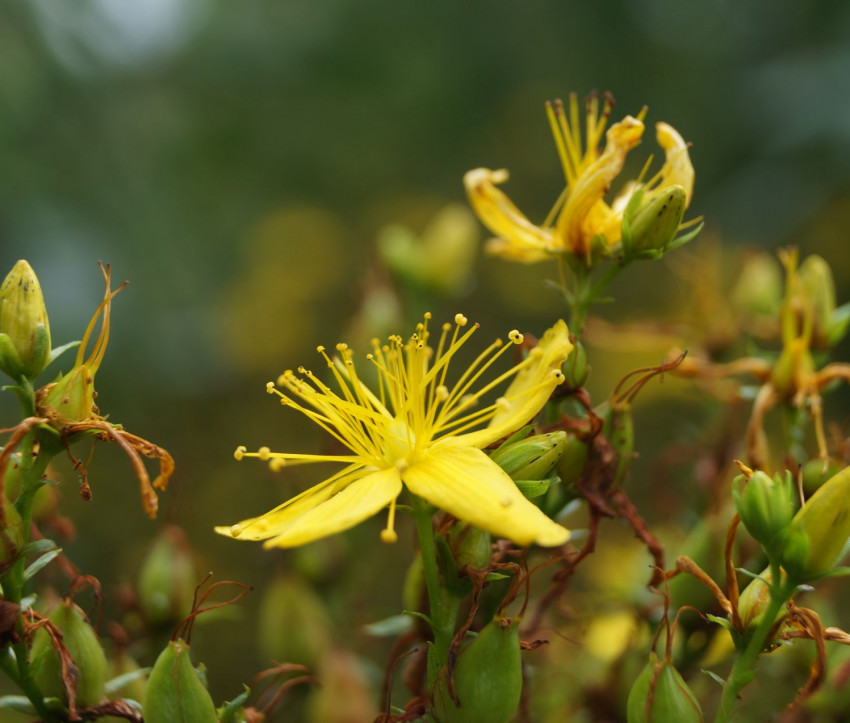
(240, 452)
(389, 536)
(277, 464)
(270, 387)
(515, 337)
(460, 320)
(320, 348)
(442, 393)
(427, 315)
(264, 453)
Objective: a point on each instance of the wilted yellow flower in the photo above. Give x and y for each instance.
(418, 429)
(581, 217)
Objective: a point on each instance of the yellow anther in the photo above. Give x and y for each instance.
(264, 453)
(427, 315)
(442, 393)
(389, 536)
(503, 404)
(240, 452)
(277, 464)
(460, 320)
(515, 337)
(320, 348)
(342, 346)
(270, 387)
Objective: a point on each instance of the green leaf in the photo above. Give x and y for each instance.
(119, 681)
(390, 627)
(59, 350)
(41, 562)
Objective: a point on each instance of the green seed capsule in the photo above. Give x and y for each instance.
(670, 700)
(487, 678)
(24, 328)
(819, 531)
(83, 647)
(531, 458)
(175, 693)
(167, 579)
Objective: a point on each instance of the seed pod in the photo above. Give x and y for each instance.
(819, 531)
(24, 328)
(661, 695)
(294, 625)
(575, 368)
(86, 653)
(175, 693)
(532, 458)
(167, 579)
(487, 678)
(11, 536)
(618, 428)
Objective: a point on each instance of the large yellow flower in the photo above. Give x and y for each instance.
(580, 215)
(420, 429)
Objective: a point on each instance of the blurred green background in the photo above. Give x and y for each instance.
(237, 162)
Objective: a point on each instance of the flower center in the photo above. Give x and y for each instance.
(400, 442)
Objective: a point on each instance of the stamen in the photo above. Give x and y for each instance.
(460, 320)
(515, 337)
(270, 387)
(240, 452)
(388, 534)
(264, 453)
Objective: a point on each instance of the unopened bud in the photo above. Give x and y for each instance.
(294, 625)
(532, 458)
(661, 695)
(766, 507)
(487, 678)
(575, 368)
(819, 289)
(167, 579)
(758, 290)
(174, 691)
(24, 328)
(85, 651)
(819, 531)
(654, 224)
(754, 599)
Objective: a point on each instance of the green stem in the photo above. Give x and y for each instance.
(31, 469)
(743, 671)
(443, 606)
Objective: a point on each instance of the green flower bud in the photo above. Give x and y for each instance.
(487, 678)
(470, 545)
(531, 458)
(86, 653)
(819, 289)
(618, 428)
(766, 507)
(167, 579)
(754, 599)
(654, 224)
(758, 290)
(819, 531)
(572, 460)
(24, 328)
(294, 625)
(11, 536)
(660, 695)
(174, 691)
(575, 368)
(816, 472)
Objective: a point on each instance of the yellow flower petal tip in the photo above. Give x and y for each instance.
(423, 427)
(580, 216)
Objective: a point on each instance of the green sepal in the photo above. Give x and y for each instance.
(227, 713)
(59, 350)
(533, 488)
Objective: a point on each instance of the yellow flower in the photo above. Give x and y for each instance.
(418, 430)
(580, 217)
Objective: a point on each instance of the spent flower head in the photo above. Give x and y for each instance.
(581, 221)
(421, 429)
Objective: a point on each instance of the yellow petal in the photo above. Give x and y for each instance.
(358, 501)
(677, 169)
(469, 485)
(517, 238)
(594, 182)
(530, 389)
